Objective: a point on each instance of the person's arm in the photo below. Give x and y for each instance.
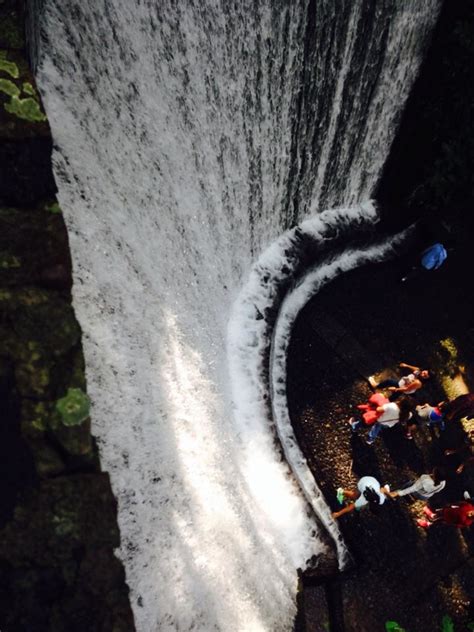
(416, 486)
(463, 464)
(404, 365)
(344, 510)
(407, 387)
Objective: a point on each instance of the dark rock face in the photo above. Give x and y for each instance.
(429, 171)
(26, 171)
(58, 526)
(57, 558)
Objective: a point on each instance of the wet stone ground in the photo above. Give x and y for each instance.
(400, 572)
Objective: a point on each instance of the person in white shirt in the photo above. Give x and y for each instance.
(389, 415)
(406, 385)
(369, 493)
(424, 487)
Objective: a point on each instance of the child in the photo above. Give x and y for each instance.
(369, 493)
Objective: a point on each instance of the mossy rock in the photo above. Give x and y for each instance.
(35, 418)
(11, 31)
(47, 460)
(71, 424)
(8, 261)
(21, 111)
(61, 540)
(41, 316)
(51, 323)
(9, 68)
(37, 240)
(8, 87)
(33, 370)
(27, 108)
(42, 530)
(26, 297)
(53, 208)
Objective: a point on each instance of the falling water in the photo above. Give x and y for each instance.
(188, 137)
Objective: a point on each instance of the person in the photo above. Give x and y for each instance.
(369, 493)
(462, 406)
(406, 385)
(432, 415)
(460, 515)
(466, 455)
(424, 487)
(388, 415)
(431, 259)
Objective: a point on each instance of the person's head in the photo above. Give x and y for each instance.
(406, 406)
(372, 498)
(425, 374)
(438, 475)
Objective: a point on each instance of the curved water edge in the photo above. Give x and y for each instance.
(292, 305)
(287, 275)
(258, 381)
(183, 136)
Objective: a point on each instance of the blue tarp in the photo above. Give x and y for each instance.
(433, 257)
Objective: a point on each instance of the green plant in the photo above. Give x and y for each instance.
(9, 88)
(393, 626)
(53, 208)
(9, 67)
(28, 109)
(74, 407)
(447, 624)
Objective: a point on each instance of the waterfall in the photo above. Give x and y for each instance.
(188, 137)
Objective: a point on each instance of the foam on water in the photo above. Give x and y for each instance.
(181, 131)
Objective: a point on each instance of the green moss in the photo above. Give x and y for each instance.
(9, 67)
(393, 626)
(53, 208)
(32, 371)
(31, 296)
(27, 109)
(29, 89)
(5, 296)
(34, 417)
(52, 323)
(8, 261)
(74, 407)
(8, 87)
(66, 524)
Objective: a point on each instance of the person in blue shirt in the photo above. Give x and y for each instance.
(431, 259)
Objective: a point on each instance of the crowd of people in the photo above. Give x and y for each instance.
(398, 406)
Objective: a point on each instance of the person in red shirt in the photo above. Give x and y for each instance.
(460, 515)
